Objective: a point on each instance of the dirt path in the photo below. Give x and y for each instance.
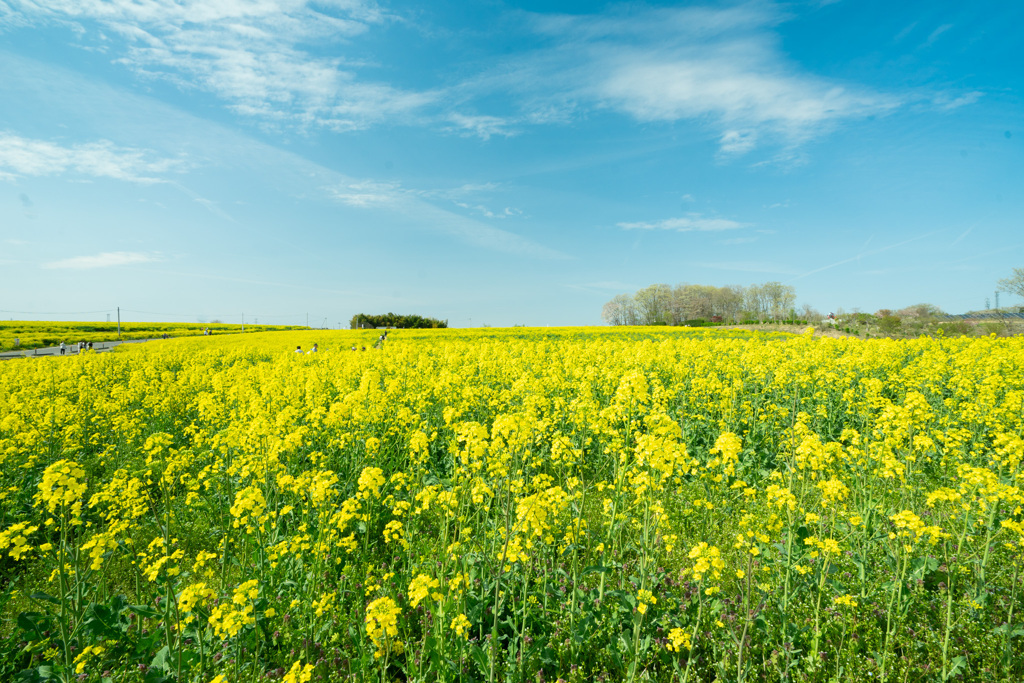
(793, 329)
(70, 349)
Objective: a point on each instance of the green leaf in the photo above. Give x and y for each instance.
(481, 657)
(45, 597)
(595, 569)
(956, 666)
(33, 624)
(160, 660)
(144, 611)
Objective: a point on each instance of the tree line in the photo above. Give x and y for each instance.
(363, 320)
(663, 304)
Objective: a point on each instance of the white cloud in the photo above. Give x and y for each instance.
(27, 157)
(691, 223)
(481, 126)
(415, 204)
(104, 260)
(719, 67)
(949, 101)
(507, 212)
(934, 35)
(742, 85)
(265, 58)
(367, 193)
(736, 142)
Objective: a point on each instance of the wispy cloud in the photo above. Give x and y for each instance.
(366, 193)
(864, 254)
(416, 204)
(507, 212)
(949, 101)
(104, 260)
(265, 58)
(934, 35)
(297, 62)
(963, 235)
(481, 126)
(719, 67)
(690, 223)
(750, 267)
(27, 157)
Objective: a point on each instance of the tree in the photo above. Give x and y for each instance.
(920, 311)
(779, 297)
(811, 314)
(362, 320)
(755, 302)
(619, 311)
(695, 301)
(728, 301)
(652, 304)
(1013, 284)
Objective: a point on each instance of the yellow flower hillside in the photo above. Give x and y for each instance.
(509, 505)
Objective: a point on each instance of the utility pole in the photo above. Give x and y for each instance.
(118, 322)
(997, 301)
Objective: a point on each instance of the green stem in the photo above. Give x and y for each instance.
(949, 595)
(895, 600)
(696, 628)
(740, 674)
(497, 588)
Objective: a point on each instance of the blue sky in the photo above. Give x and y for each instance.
(502, 163)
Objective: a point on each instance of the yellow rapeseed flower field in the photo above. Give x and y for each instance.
(509, 505)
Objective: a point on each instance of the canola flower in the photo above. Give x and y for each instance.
(465, 495)
(382, 624)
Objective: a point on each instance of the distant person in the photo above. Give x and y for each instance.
(298, 349)
(364, 348)
(63, 349)
(354, 348)
(314, 349)
(90, 346)
(17, 342)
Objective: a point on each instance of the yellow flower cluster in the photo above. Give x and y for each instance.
(382, 624)
(14, 539)
(706, 559)
(678, 640)
(421, 587)
(63, 487)
(528, 472)
(229, 618)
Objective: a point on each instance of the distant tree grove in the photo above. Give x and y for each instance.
(689, 304)
(361, 320)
